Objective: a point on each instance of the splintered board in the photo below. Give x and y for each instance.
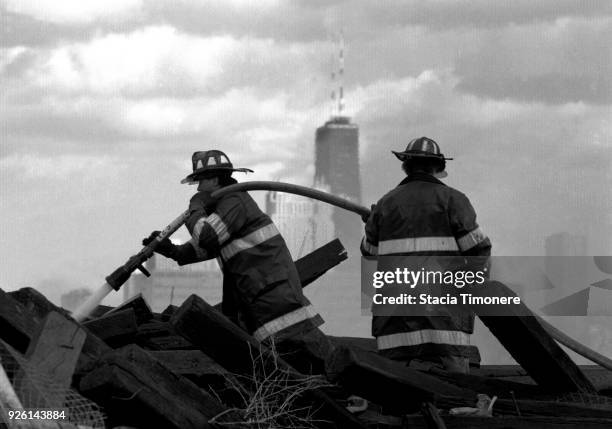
(518, 330)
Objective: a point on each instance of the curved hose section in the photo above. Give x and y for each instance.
(574, 345)
(559, 336)
(294, 189)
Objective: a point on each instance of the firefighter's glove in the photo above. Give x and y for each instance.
(164, 247)
(197, 208)
(365, 217)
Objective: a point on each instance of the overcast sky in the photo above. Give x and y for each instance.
(103, 103)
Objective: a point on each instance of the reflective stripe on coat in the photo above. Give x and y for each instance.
(422, 216)
(261, 286)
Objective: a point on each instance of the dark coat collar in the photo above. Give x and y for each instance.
(421, 177)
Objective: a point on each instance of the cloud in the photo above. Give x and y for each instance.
(102, 110)
(559, 62)
(44, 23)
(156, 84)
(74, 11)
(159, 60)
(135, 63)
(34, 166)
(450, 14)
(511, 157)
(316, 20)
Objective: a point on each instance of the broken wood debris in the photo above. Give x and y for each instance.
(116, 329)
(189, 366)
(137, 387)
(531, 346)
(234, 349)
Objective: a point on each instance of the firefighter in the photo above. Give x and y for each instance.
(261, 287)
(420, 218)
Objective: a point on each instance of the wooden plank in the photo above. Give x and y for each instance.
(190, 363)
(139, 390)
(170, 342)
(116, 329)
(454, 422)
(139, 305)
(503, 371)
(490, 386)
(312, 266)
(154, 328)
(431, 416)
(600, 377)
(99, 311)
(17, 326)
(55, 349)
(529, 343)
(36, 303)
(233, 348)
(159, 336)
(386, 382)
(203, 371)
(369, 344)
(168, 311)
(527, 407)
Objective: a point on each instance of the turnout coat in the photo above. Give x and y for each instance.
(261, 286)
(422, 216)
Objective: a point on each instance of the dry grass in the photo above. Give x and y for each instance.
(272, 397)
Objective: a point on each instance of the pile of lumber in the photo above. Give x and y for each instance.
(191, 367)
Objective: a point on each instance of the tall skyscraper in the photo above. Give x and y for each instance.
(337, 168)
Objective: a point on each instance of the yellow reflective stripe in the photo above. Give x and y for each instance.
(219, 227)
(284, 321)
(414, 338)
(249, 241)
(197, 230)
(418, 244)
(369, 248)
(471, 239)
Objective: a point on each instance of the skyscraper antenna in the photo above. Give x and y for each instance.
(333, 88)
(341, 74)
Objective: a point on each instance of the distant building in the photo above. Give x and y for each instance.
(304, 223)
(172, 284)
(337, 167)
(74, 298)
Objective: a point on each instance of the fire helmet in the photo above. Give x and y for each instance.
(424, 148)
(210, 163)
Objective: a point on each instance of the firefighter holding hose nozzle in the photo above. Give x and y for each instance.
(261, 287)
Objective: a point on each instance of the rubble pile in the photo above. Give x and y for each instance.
(190, 367)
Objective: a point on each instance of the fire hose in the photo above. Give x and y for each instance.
(122, 274)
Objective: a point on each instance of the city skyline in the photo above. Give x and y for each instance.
(103, 104)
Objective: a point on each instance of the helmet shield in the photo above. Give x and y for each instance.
(210, 163)
(427, 150)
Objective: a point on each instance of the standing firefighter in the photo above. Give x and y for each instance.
(420, 218)
(261, 288)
